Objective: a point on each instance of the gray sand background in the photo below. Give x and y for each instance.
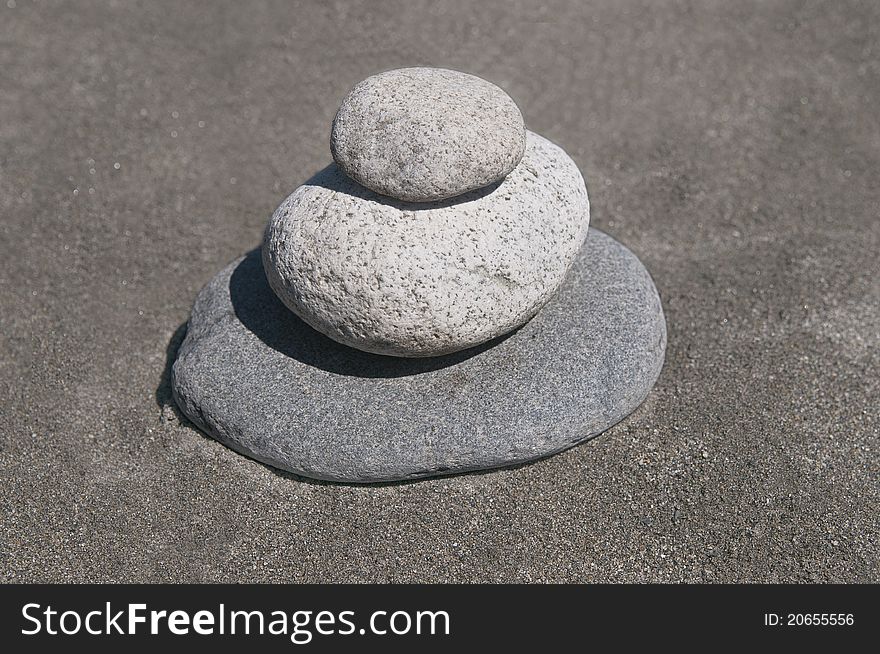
(734, 147)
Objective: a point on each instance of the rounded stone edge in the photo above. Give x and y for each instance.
(275, 230)
(190, 406)
(408, 194)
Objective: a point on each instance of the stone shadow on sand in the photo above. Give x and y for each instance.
(164, 395)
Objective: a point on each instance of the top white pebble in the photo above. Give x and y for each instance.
(427, 134)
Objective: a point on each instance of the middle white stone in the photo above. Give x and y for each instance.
(426, 279)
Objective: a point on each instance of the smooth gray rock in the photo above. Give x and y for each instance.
(425, 134)
(415, 280)
(258, 379)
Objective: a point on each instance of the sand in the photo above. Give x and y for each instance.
(733, 147)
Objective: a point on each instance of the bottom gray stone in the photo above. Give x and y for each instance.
(258, 379)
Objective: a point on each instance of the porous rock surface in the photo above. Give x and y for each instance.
(258, 379)
(425, 134)
(405, 279)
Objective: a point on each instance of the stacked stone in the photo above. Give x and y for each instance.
(442, 224)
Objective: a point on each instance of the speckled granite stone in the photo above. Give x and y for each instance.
(414, 280)
(258, 379)
(424, 134)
